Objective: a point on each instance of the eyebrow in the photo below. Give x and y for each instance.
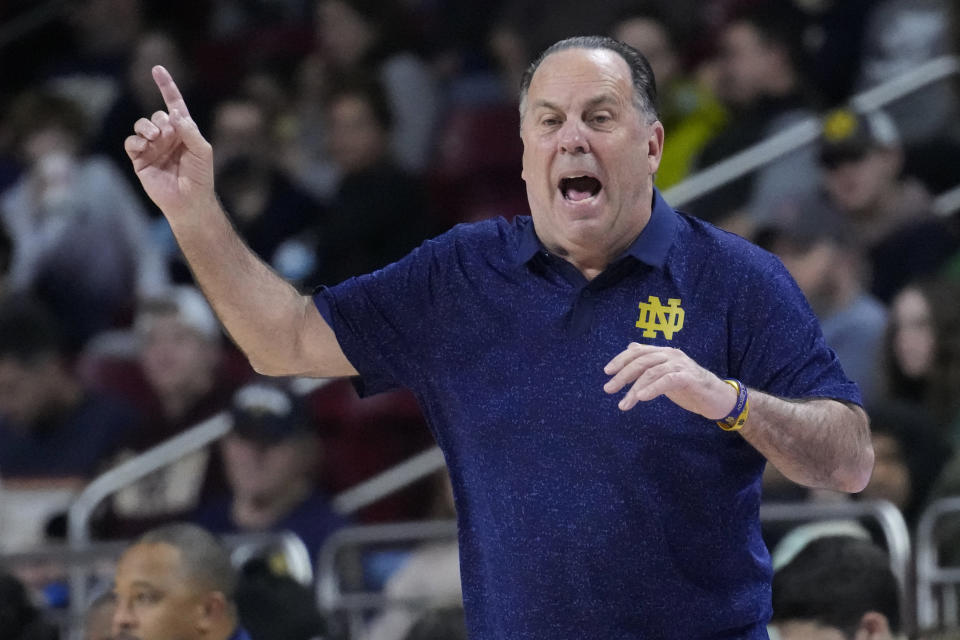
(144, 583)
(605, 98)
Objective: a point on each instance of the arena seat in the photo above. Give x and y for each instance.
(476, 170)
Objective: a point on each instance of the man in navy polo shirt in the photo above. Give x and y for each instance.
(584, 510)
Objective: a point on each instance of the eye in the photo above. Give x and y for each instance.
(549, 121)
(600, 118)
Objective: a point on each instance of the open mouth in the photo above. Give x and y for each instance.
(579, 188)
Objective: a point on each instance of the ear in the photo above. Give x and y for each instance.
(212, 610)
(873, 626)
(655, 146)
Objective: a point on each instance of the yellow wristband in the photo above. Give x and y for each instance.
(738, 415)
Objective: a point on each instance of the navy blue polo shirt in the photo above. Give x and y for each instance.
(577, 519)
(239, 634)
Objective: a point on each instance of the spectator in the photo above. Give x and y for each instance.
(761, 82)
(923, 352)
(267, 209)
(98, 622)
(821, 254)
(833, 35)
(835, 588)
(133, 98)
(55, 434)
(80, 235)
(19, 617)
(909, 455)
(890, 213)
(378, 213)
(244, 18)
(274, 606)
(687, 109)
(271, 460)
(523, 28)
(901, 35)
(365, 38)
(90, 71)
(176, 582)
(181, 357)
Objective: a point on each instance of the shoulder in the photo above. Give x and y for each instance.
(727, 251)
(99, 405)
(488, 238)
(105, 415)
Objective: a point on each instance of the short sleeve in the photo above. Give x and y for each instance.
(386, 321)
(777, 344)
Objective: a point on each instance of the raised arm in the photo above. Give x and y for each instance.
(818, 443)
(280, 330)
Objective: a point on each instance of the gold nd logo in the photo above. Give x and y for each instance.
(656, 317)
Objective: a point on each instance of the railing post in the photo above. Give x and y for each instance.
(805, 132)
(108, 483)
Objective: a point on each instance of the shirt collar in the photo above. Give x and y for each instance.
(650, 247)
(239, 634)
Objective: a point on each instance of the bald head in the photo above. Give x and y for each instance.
(203, 558)
(174, 582)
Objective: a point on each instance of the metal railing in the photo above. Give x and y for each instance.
(894, 528)
(103, 554)
(931, 576)
(383, 484)
(82, 509)
(334, 601)
(201, 435)
(806, 131)
(429, 461)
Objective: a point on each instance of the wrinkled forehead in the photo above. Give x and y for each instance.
(572, 74)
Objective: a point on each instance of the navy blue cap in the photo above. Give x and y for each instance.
(268, 413)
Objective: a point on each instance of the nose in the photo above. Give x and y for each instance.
(573, 138)
(123, 618)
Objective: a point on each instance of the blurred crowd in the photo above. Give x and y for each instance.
(346, 132)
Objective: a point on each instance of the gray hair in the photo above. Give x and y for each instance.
(203, 557)
(641, 74)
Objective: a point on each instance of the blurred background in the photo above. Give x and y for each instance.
(345, 133)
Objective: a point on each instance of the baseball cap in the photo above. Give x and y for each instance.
(268, 413)
(186, 303)
(848, 135)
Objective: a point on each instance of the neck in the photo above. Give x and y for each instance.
(590, 261)
(67, 395)
(257, 512)
(178, 402)
(591, 255)
(783, 83)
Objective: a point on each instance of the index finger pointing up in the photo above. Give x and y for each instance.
(168, 89)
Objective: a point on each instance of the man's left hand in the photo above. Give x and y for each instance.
(656, 371)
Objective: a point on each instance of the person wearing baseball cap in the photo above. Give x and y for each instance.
(271, 461)
(891, 213)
